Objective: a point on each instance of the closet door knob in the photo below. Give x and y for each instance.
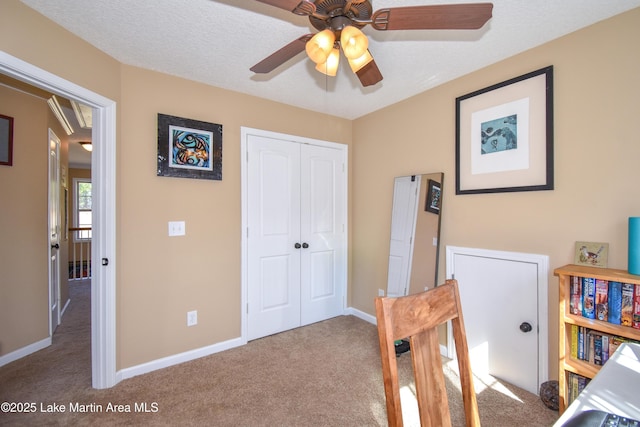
(305, 245)
(297, 246)
(526, 327)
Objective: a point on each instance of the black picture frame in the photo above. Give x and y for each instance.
(504, 136)
(189, 148)
(434, 197)
(6, 140)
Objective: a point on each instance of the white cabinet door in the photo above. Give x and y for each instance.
(500, 296)
(296, 258)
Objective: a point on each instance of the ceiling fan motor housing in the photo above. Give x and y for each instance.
(333, 14)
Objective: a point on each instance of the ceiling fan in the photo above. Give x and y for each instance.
(339, 23)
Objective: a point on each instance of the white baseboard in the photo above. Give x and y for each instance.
(187, 356)
(176, 359)
(64, 309)
(24, 351)
(361, 314)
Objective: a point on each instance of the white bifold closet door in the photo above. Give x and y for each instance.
(296, 234)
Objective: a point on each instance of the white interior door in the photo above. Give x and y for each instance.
(54, 231)
(323, 221)
(500, 296)
(274, 230)
(295, 208)
(403, 225)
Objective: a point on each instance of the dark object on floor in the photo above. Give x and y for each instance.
(595, 418)
(402, 347)
(549, 394)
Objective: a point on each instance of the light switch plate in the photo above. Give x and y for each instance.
(192, 318)
(177, 228)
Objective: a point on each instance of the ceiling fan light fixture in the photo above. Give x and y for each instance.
(354, 42)
(86, 145)
(358, 63)
(330, 66)
(320, 46)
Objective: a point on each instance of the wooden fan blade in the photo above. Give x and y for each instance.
(369, 74)
(470, 16)
(299, 7)
(281, 56)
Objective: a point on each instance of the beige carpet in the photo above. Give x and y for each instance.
(326, 374)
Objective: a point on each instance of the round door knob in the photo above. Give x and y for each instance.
(526, 327)
(305, 245)
(297, 246)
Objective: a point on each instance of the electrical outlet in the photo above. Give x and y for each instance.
(192, 318)
(177, 228)
(380, 292)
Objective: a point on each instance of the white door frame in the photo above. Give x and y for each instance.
(542, 264)
(245, 132)
(103, 176)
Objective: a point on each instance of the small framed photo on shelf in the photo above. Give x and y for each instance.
(592, 254)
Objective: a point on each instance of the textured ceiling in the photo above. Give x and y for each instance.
(217, 41)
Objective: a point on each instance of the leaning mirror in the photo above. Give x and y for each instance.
(415, 234)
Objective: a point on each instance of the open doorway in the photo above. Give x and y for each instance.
(103, 308)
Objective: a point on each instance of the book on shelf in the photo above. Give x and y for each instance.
(636, 308)
(598, 349)
(602, 306)
(593, 346)
(615, 302)
(575, 301)
(581, 342)
(605, 348)
(626, 310)
(576, 384)
(614, 343)
(589, 297)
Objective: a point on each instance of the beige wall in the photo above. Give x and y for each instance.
(160, 278)
(597, 147)
(24, 291)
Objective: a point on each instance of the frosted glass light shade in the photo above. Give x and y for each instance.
(354, 42)
(358, 63)
(330, 66)
(320, 45)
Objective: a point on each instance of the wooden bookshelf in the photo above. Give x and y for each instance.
(566, 320)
